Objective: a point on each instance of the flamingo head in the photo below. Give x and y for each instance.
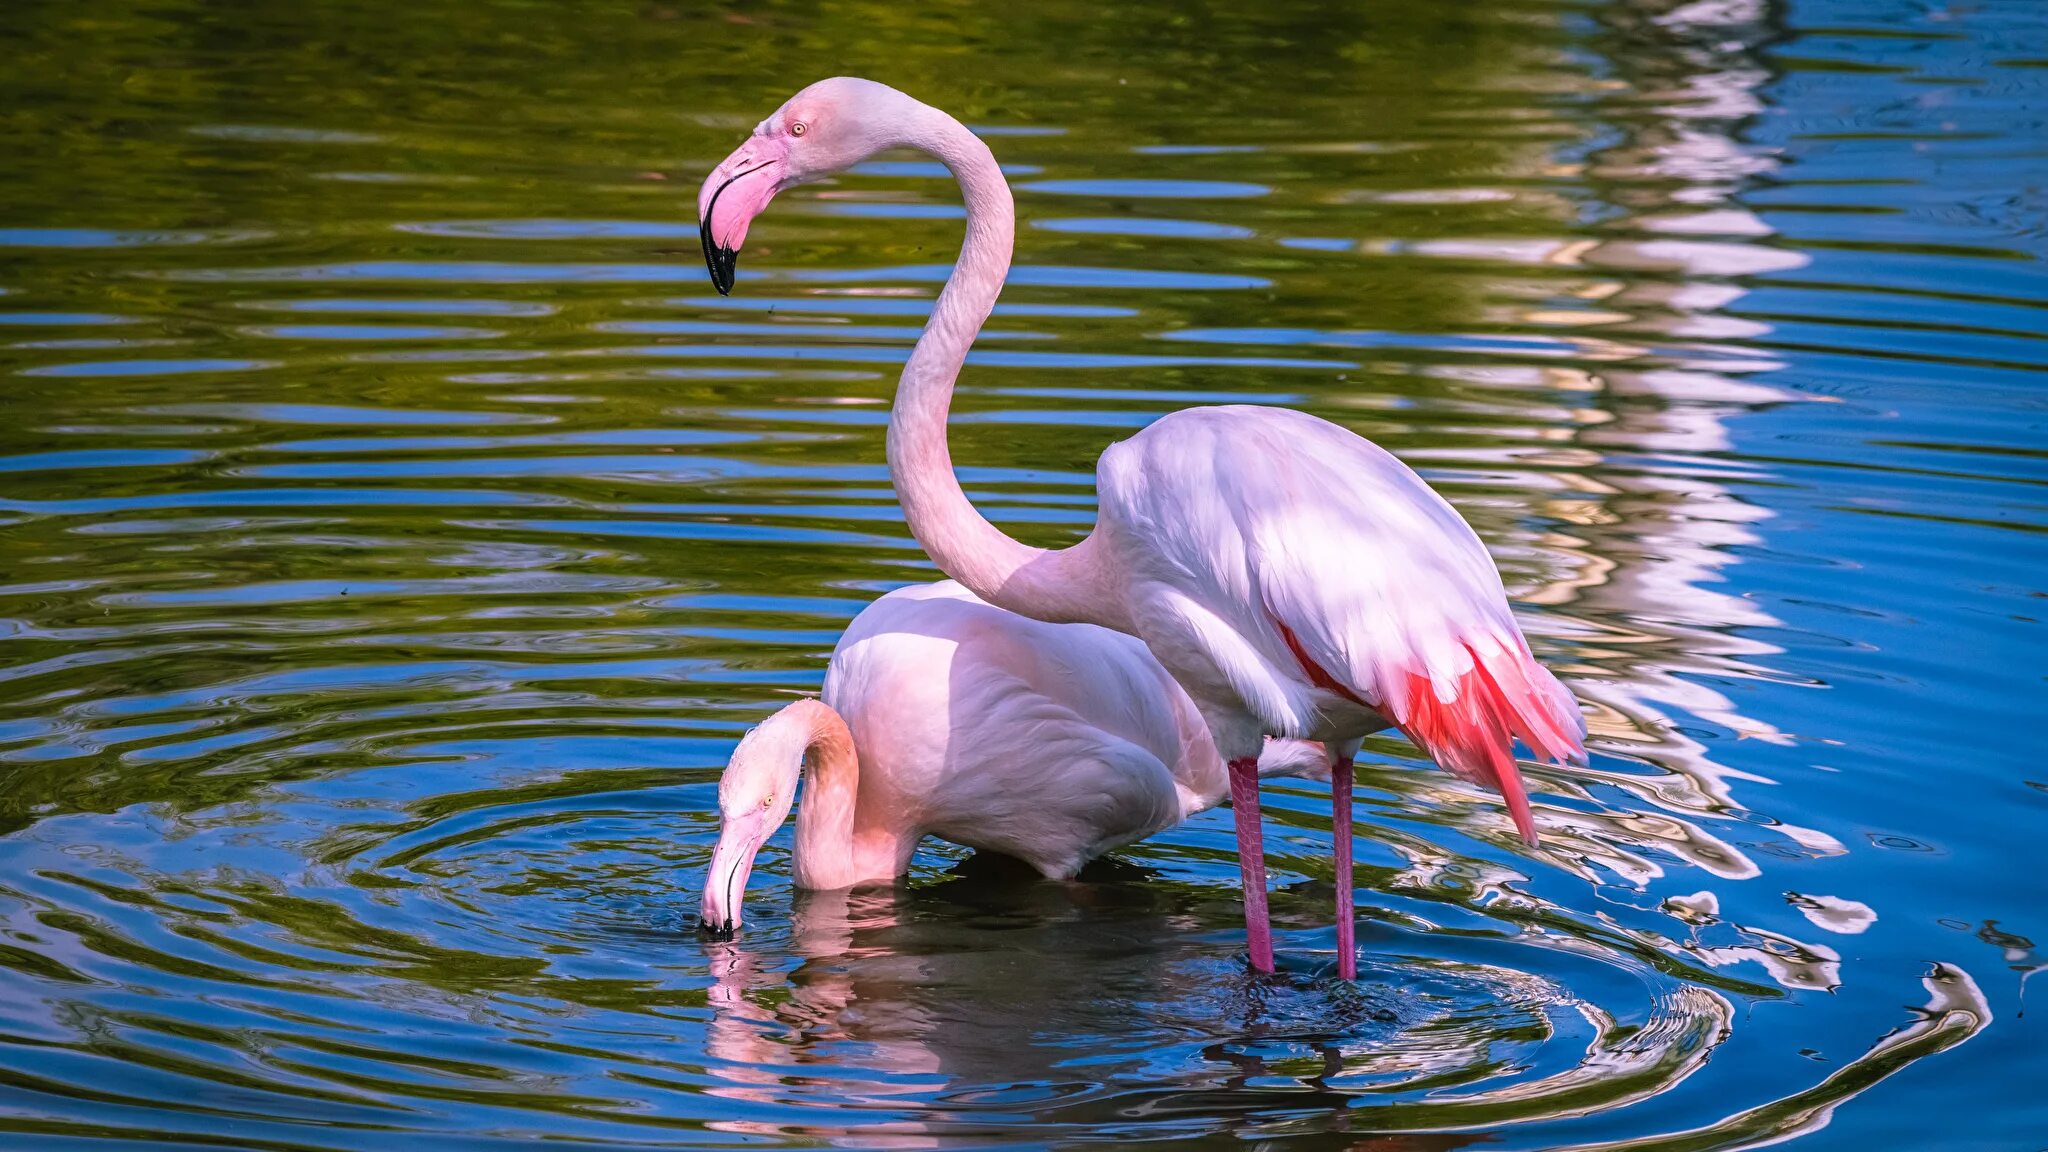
(826, 128)
(754, 798)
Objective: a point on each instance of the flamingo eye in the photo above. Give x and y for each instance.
(768, 801)
(796, 129)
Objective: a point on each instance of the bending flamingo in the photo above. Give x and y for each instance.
(943, 716)
(1296, 579)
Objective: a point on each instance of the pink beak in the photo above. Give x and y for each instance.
(736, 192)
(725, 883)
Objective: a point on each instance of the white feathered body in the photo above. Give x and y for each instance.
(1298, 580)
(1052, 743)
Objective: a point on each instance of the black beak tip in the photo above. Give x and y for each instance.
(719, 259)
(712, 931)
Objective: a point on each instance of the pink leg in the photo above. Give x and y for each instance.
(1251, 860)
(1347, 931)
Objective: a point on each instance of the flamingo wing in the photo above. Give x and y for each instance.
(1036, 780)
(1314, 570)
(1053, 743)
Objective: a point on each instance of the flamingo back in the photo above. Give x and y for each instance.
(1328, 590)
(1053, 743)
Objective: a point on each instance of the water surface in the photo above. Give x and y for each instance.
(398, 534)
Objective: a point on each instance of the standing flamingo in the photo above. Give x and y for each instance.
(1296, 579)
(943, 716)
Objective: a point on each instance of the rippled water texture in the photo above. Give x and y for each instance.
(398, 534)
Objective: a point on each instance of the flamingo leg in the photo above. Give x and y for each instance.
(1251, 860)
(1347, 930)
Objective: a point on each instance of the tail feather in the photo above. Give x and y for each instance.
(1540, 711)
(1469, 723)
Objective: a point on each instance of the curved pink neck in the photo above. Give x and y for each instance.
(1063, 585)
(826, 855)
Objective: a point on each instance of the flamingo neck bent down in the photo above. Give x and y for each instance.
(1062, 586)
(828, 853)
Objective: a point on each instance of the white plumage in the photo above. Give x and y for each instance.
(943, 716)
(1300, 580)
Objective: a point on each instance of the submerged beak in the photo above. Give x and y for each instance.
(725, 884)
(736, 192)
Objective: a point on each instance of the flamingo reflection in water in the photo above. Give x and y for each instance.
(933, 1028)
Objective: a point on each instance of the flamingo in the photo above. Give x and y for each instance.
(1296, 579)
(943, 716)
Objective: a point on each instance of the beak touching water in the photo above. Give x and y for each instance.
(725, 884)
(736, 192)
